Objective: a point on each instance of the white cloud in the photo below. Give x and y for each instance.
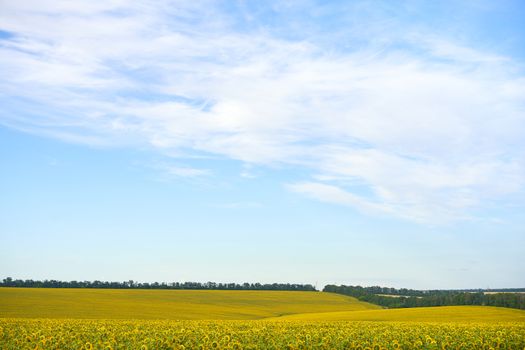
(331, 194)
(180, 171)
(186, 171)
(433, 129)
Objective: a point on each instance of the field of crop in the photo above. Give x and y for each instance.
(125, 319)
(17, 334)
(457, 314)
(168, 304)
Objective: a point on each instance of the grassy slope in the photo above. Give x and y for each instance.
(167, 304)
(200, 304)
(485, 314)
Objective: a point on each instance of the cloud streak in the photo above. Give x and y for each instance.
(430, 127)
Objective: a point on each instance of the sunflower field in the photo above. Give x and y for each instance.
(34, 334)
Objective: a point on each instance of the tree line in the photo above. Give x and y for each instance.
(10, 282)
(404, 298)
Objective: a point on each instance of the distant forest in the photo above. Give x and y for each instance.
(403, 298)
(9, 282)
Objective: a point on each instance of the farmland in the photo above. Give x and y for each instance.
(171, 304)
(154, 334)
(444, 314)
(156, 319)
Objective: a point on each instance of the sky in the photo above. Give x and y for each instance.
(340, 142)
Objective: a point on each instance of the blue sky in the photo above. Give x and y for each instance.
(373, 143)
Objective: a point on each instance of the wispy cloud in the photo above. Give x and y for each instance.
(171, 171)
(186, 171)
(428, 125)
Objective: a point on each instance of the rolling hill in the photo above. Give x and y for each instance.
(62, 303)
(463, 314)
(168, 304)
